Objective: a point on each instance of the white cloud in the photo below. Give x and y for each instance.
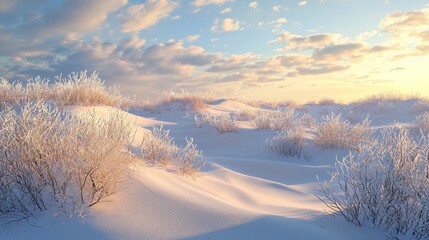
(278, 8)
(142, 16)
(200, 3)
(133, 43)
(282, 20)
(406, 21)
(226, 25)
(79, 16)
(253, 5)
(303, 3)
(299, 42)
(192, 38)
(229, 25)
(177, 17)
(226, 10)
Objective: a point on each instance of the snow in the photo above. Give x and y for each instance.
(245, 191)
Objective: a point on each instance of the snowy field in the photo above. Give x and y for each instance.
(244, 191)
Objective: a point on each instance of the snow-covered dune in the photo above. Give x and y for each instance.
(245, 191)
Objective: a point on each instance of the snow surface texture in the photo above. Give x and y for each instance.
(245, 190)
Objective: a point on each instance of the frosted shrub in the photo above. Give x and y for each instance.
(422, 105)
(262, 120)
(188, 160)
(280, 120)
(223, 123)
(246, 114)
(159, 148)
(422, 121)
(37, 89)
(77, 88)
(51, 158)
(81, 88)
(386, 185)
(335, 133)
(9, 92)
(326, 101)
(284, 119)
(198, 121)
(187, 100)
(289, 143)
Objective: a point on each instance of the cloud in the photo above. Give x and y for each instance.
(406, 21)
(192, 38)
(339, 51)
(253, 4)
(156, 67)
(200, 3)
(302, 4)
(319, 69)
(299, 42)
(133, 43)
(409, 31)
(71, 16)
(226, 25)
(226, 10)
(233, 62)
(281, 20)
(294, 60)
(141, 16)
(278, 8)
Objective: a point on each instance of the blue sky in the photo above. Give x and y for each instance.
(271, 49)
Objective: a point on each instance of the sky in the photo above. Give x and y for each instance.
(301, 50)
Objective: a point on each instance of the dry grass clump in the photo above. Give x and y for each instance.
(280, 120)
(81, 88)
(223, 123)
(387, 97)
(422, 105)
(422, 121)
(289, 143)
(50, 158)
(159, 148)
(262, 120)
(37, 89)
(386, 186)
(77, 88)
(246, 114)
(184, 99)
(188, 160)
(326, 101)
(9, 92)
(335, 133)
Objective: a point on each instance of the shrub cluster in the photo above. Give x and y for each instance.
(159, 148)
(422, 105)
(386, 185)
(422, 122)
(51, 158)
(335, 133)
(289, 143)
(184, 100)
(280, 120)
(77, 88)
(223, 123)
